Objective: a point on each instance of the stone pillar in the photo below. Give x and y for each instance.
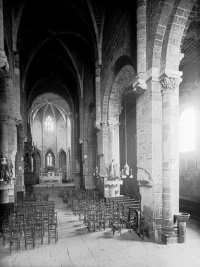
(8, 144)
(4, 134)
(105, 146)
(103, 157)
(170, 152)
(113, 133)
(141, 39)
(17, 93)
(19, 165)
(98, 96)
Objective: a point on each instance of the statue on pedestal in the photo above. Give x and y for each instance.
(114, 171)
(4, 170)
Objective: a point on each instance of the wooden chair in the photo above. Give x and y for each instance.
(5, 231)
(29, 236)
(108, 216)
(92, 220)
(38, 228)
(45, 219)
(52, 230)
(133, 219)
(116, 222)
(15, 236)
(101, 219)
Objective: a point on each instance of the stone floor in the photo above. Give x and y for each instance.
(77, 247)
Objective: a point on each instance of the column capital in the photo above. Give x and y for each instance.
(139, 85)
(7, 119)
(4, 61)
(113, 125)
(97, 125)
(170, 81)
(19, 121)
(4, 119)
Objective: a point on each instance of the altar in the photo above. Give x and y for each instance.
(51, 177)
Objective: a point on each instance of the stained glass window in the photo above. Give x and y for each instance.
(49, 160)
(49, 124)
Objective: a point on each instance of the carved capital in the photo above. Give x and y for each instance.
(81, 141)
(3, 61)
(113, 126)
(97, 125)
(7, 119)
(168, 84)
(19, 121)
(170, 80)
(139, 86)
(4, 119)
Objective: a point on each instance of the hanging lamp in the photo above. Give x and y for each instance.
(126, 171)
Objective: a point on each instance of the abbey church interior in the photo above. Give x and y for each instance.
(103, 97)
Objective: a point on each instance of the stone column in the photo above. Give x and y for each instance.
(4, 134)
(7, 119)
(113, 139)
(141, 39)
(19, 165)
(139, 83)
(17, 93)
(170, 152)
(98, 96)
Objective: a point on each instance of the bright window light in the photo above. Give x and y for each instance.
(187, 128)
(49, 124)
(49, 160)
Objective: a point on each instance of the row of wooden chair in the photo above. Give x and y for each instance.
(29, 221)
(116, 212)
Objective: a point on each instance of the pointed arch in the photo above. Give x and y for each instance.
(49, 160)
(62, 160)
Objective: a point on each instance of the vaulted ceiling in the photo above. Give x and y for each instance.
(57, 42)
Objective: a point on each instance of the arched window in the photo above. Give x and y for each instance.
(49, 160)
(187, 129)
(49, 124)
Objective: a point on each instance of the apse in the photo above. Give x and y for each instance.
(50, 124)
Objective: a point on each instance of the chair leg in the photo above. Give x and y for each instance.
(113, 230)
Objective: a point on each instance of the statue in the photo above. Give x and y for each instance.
(4, 171)
(112, 169)
(116, 171)
(11, 169)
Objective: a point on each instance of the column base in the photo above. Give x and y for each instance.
(169, 236)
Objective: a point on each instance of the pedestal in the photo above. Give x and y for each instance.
(181, 232)
(7, 193)
(182, 218)
(112, 188)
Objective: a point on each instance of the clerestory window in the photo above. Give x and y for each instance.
(49, 124)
